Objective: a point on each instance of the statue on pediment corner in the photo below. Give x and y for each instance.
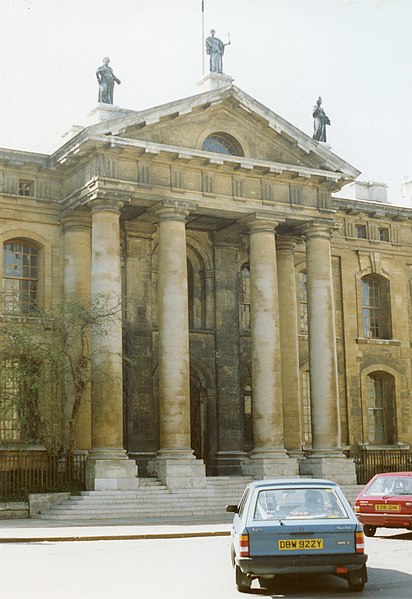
(320, 121)
(106, 79)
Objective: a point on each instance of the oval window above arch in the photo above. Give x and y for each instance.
(222, 143)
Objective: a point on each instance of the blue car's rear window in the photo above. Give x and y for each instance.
(290, 504)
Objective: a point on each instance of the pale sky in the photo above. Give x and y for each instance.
(356, 54)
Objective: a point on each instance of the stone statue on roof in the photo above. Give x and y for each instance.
(215, 48)
(106, 80)
(320, 121)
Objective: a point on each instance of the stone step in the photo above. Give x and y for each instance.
(170, 500)
(152, 500)
(142, 516)
(139, 508)
(154, 496)
(163, 490)
(351, 492)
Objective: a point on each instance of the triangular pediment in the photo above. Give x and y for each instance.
(177, 130)
(262, 134)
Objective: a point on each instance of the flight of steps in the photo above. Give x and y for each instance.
(153, 501)
(351, 492)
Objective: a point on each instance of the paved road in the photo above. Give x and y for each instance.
(191, 568)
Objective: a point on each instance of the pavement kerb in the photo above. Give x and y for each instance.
(115, 537)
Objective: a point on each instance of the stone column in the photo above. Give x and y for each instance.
(268, 457)
(288, 317)
(76, 282)
(326, 459)
(175, 465)
(108, 465)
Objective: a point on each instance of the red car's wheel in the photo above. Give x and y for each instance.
(369, 530)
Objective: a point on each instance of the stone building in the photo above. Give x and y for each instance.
(268, 322)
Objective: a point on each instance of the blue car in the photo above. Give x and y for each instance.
(296, 526)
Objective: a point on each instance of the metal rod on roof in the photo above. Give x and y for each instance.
(203, 37)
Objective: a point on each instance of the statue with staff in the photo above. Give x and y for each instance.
(215, 48)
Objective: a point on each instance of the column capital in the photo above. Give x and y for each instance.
(261, 223)
(102, 204)
(287, 243)
(321, 229)
(75, 221)
(172, 211)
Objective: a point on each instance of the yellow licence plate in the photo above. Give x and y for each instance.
(387, 507)
(298, 544)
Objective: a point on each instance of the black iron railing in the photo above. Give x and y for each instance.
(24, 472)
(369, 462)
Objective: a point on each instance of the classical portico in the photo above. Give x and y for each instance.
(172, 225)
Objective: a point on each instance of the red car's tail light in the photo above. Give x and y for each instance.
(244, 545)
(359, 542)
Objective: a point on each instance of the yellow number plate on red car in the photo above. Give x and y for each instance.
(299, 544)
(387, 507)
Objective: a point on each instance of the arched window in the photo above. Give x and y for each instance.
(222, 143)
(20, 271)
(244, 293)
(303, 303)
(380, 389)
(376, 315)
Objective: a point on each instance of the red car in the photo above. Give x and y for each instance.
(386, 501)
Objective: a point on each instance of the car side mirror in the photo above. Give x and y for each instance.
(232, 508)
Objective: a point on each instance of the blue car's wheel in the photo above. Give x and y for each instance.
(242, 581)
(357, 579)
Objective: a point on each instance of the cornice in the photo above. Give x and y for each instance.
(373, 209)
(177, 154)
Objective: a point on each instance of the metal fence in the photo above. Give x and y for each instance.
(369, 462)
(24, 472)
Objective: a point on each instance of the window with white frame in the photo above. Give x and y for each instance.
(20, 277)
(376, 315)
(380, 389)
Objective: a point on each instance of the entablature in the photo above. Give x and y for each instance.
(135, 149)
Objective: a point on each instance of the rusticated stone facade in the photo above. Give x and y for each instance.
(267, 322)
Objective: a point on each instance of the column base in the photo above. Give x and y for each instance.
(296, 454)
(270, 464)
(110, 470)
(228, 463)
(178, 469)
(332, 466)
